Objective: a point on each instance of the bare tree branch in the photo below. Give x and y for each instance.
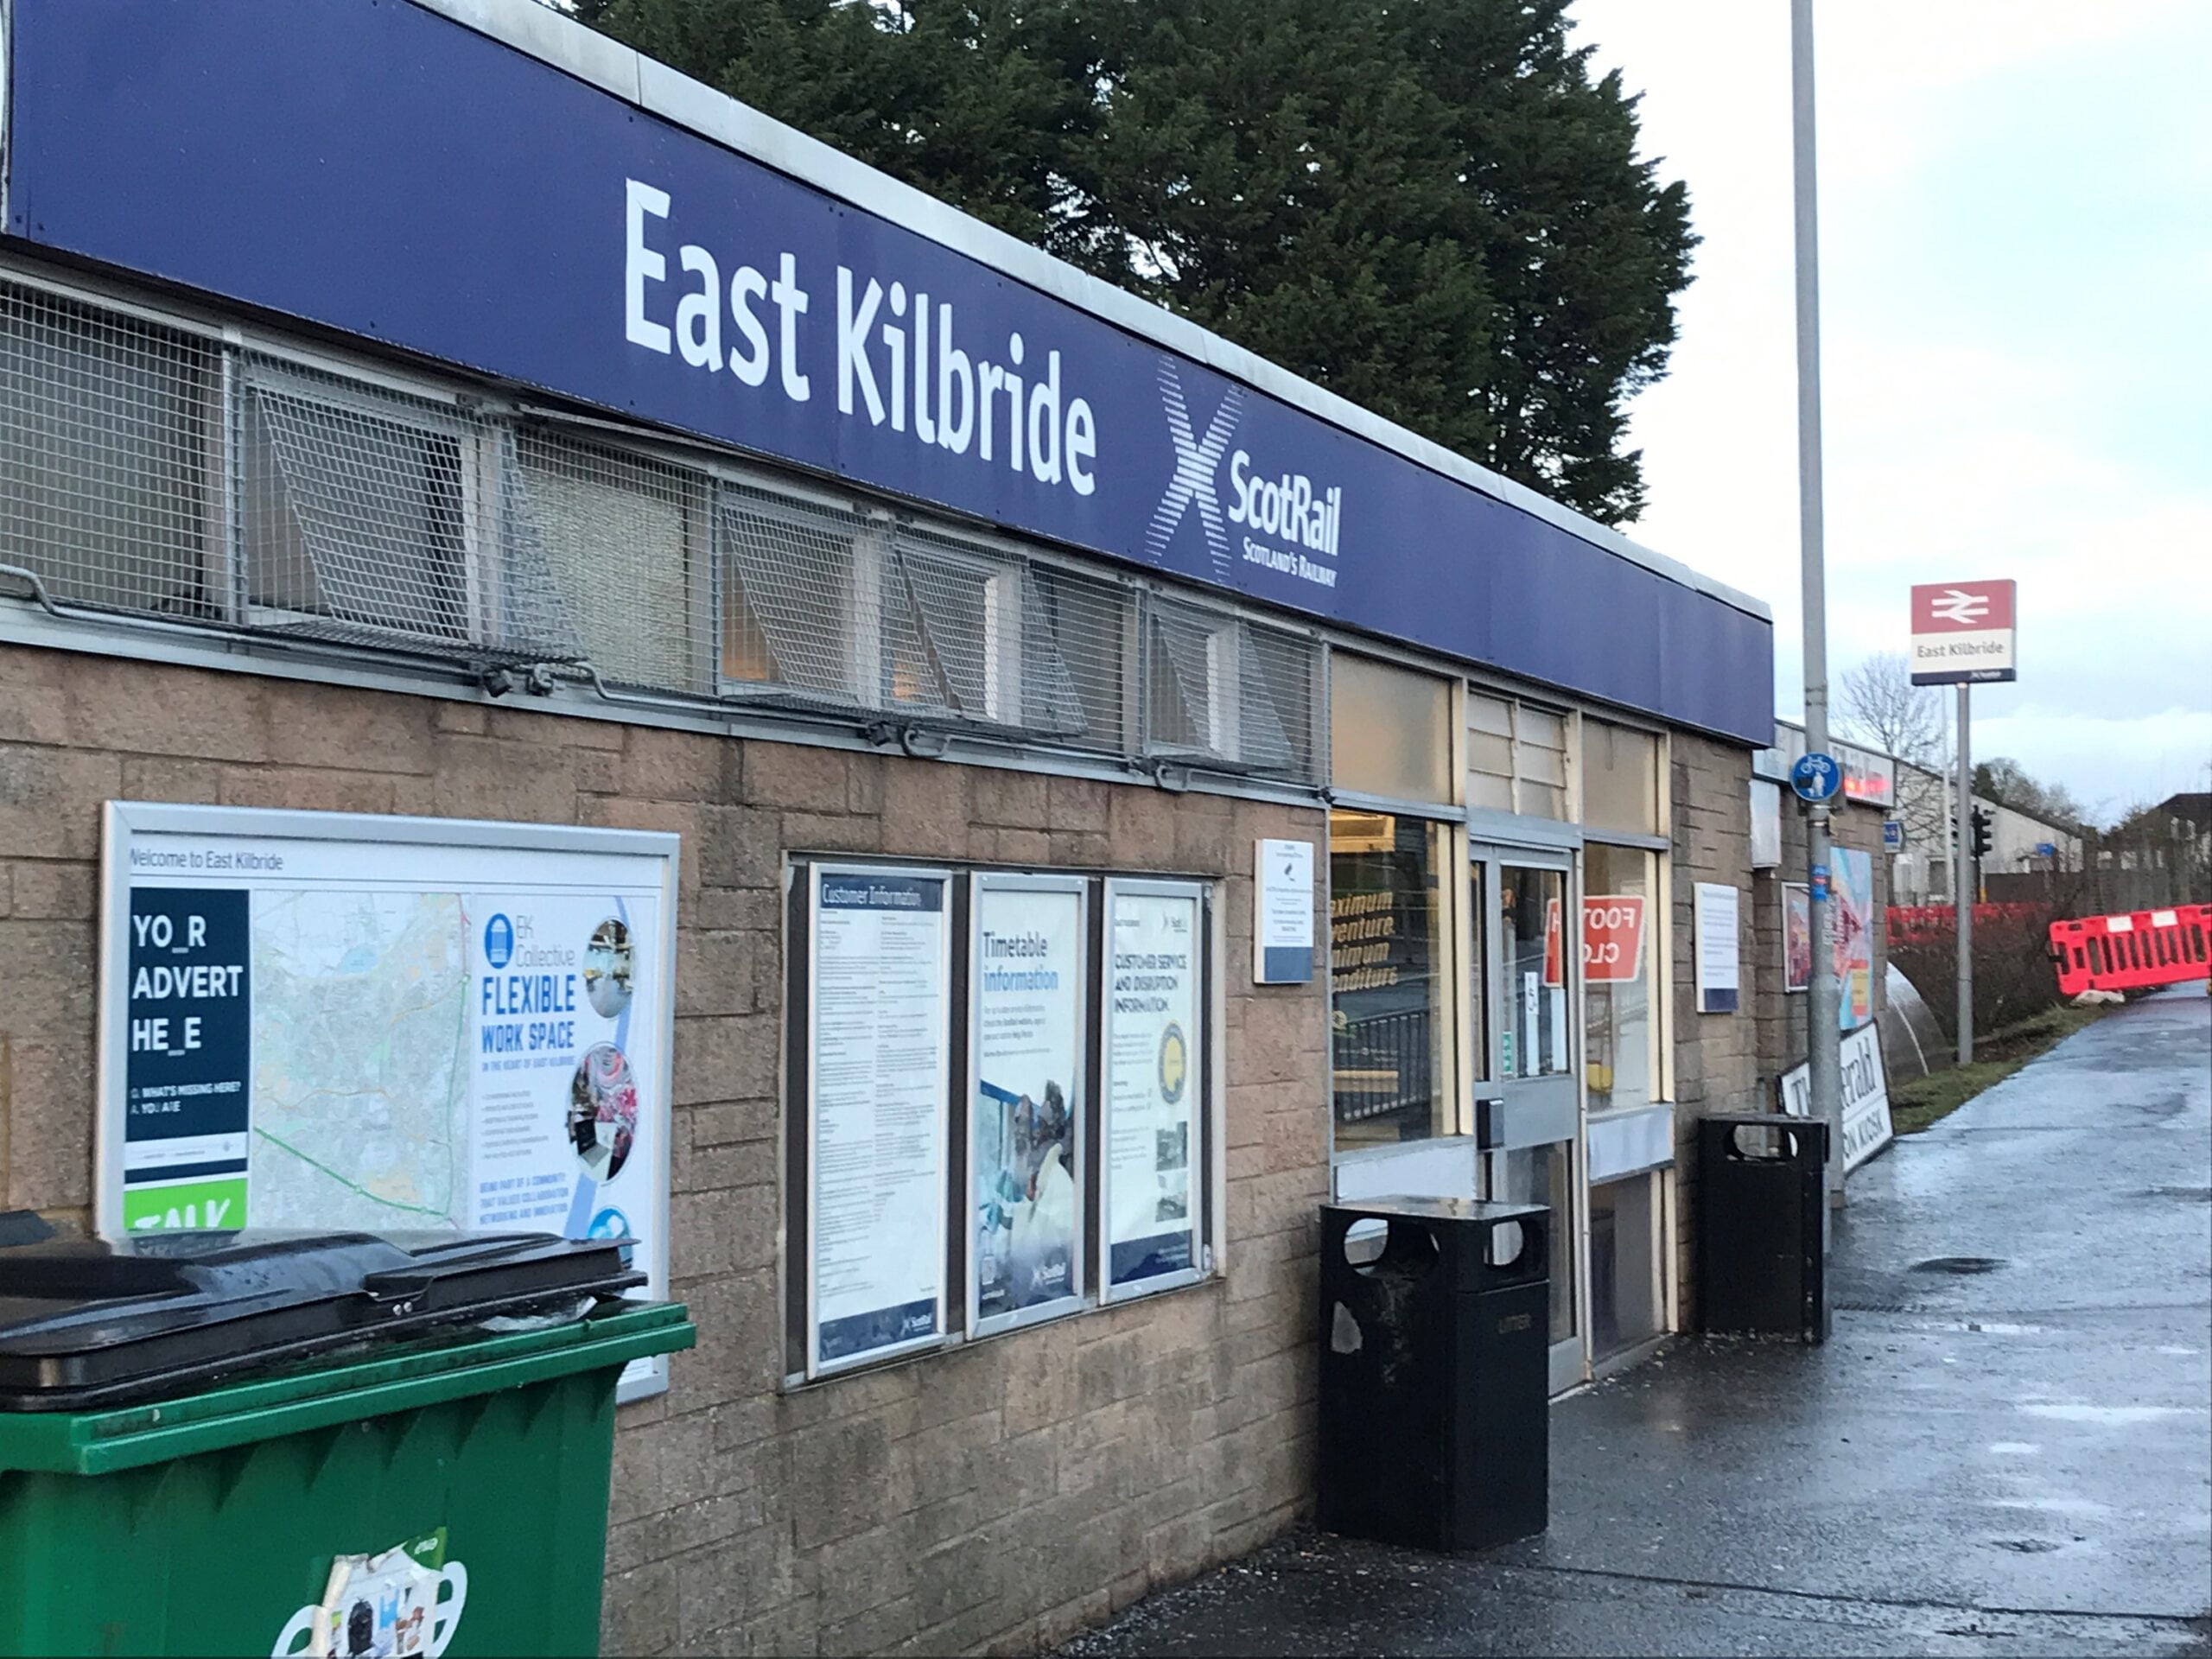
(1879, 704)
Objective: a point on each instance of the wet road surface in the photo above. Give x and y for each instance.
(2004, 1448)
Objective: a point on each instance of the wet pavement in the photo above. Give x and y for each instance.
(2004, 1448)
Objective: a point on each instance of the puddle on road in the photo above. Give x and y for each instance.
(1958, 1264)
(2113, 1416)
(2055, 1505)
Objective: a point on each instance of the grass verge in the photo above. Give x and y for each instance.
(1915, 1105)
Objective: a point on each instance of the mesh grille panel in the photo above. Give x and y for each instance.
(1229, 692)
(964, 615)
(790, 599)
(625, 537)
(111, 479)
(374, 516)
(1183, 707)
(1281, 688)
(145, 469)
(1077, 640)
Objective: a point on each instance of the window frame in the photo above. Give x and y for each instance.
(1453, 1056)
(1085, 723)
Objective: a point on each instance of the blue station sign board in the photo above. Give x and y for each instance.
(378, 168)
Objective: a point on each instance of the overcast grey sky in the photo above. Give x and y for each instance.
(2016, 228)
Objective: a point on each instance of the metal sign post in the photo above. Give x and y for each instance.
(1964, 632)
(1962, 881)
(1823, 1040)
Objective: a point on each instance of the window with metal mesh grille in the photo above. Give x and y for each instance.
(1224, 690)
(110, 457)
(151, 469)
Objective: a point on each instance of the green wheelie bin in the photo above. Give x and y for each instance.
(337, 1443)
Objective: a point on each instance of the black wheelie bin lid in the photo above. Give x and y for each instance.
(99, 1322)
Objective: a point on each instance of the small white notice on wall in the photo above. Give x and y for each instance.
(1282, 913)
(1716, 966)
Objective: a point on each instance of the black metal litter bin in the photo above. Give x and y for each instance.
(1762, 1207)
(1434, 1429)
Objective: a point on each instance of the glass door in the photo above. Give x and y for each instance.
(1523, 961)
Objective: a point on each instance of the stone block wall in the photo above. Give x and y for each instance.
(1716, 1055)
(997, 1497)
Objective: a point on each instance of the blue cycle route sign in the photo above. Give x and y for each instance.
(1816, 777)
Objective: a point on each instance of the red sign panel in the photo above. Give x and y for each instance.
(1612, 939)
(1962, 607)
(1962, 632)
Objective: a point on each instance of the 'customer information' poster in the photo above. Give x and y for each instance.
(1025, 1115)
(1153, 1072)
(331, 1021)
(880, 1022)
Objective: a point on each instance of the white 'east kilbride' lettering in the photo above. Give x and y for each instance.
(898, 355)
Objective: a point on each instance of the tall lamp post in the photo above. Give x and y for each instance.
(1822, 1018)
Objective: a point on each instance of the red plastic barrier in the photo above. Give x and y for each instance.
(2135, 951)
(1926, 923)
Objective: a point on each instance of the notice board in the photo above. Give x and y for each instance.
(878, 1049)
(350, 1021)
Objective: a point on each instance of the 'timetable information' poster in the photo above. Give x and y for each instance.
(1027, 1112)
(1153, 1072)
(334, 1021)
(879, 1008)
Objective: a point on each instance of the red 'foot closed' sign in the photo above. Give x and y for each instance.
(1613, 938)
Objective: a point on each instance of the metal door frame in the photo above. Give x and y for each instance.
(1549, 1110)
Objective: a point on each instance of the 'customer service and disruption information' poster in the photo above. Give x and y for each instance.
(1026, 1112)
(1154, 1077)
(880, 1022)
(334, 1021)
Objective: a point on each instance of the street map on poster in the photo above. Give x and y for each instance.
(880, 1012)
(1852, 915)
(1026, 1026)
(1154, 1073)
(335, 1020)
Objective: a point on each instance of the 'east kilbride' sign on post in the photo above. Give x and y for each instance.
(1962, 633)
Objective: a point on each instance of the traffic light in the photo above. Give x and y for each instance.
(1980, 833)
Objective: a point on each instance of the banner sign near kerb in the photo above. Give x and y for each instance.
(1963, 633)
(334, 1021)
(1867, 1125)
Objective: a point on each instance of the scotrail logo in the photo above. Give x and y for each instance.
(1293, 514)
(1198, 466)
